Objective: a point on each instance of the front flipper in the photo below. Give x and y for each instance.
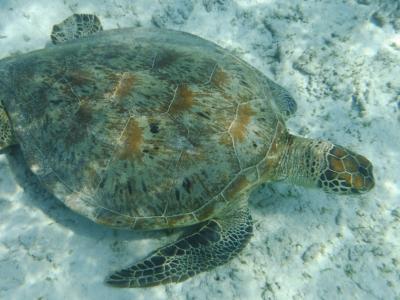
(207, 246)
(75, 27)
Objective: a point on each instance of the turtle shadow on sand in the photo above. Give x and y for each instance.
(39, 197)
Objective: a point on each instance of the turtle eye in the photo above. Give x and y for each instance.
(347, 172)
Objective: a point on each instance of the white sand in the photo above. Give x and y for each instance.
(339, 59)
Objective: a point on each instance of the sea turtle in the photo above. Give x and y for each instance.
(151, 129)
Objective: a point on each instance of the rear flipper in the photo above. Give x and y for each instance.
(205, 247)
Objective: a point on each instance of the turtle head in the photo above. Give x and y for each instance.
(346, 172)
(331, 167)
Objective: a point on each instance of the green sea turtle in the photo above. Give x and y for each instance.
(151, 129)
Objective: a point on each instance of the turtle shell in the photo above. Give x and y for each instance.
(141, 128)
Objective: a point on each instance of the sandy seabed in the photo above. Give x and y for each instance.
(341, 62)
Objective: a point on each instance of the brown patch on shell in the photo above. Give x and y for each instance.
(243, 118)
(179, 220)
(132, 140)
(206, 212)
(273, 147)
(183, 100)
(113, 219)
(166, 58)
(111, 75)
(78, 78)
(81, 121)
(125, 85)
(220, 78)
(150, 223)
(238, 185)
(225, 139)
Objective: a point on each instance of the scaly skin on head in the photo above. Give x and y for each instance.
(322, 164)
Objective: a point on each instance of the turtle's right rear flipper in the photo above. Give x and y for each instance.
(207, 246)
(75, 27)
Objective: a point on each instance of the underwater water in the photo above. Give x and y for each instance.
(341, 62)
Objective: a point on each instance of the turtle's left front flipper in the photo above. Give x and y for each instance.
(209, 245)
